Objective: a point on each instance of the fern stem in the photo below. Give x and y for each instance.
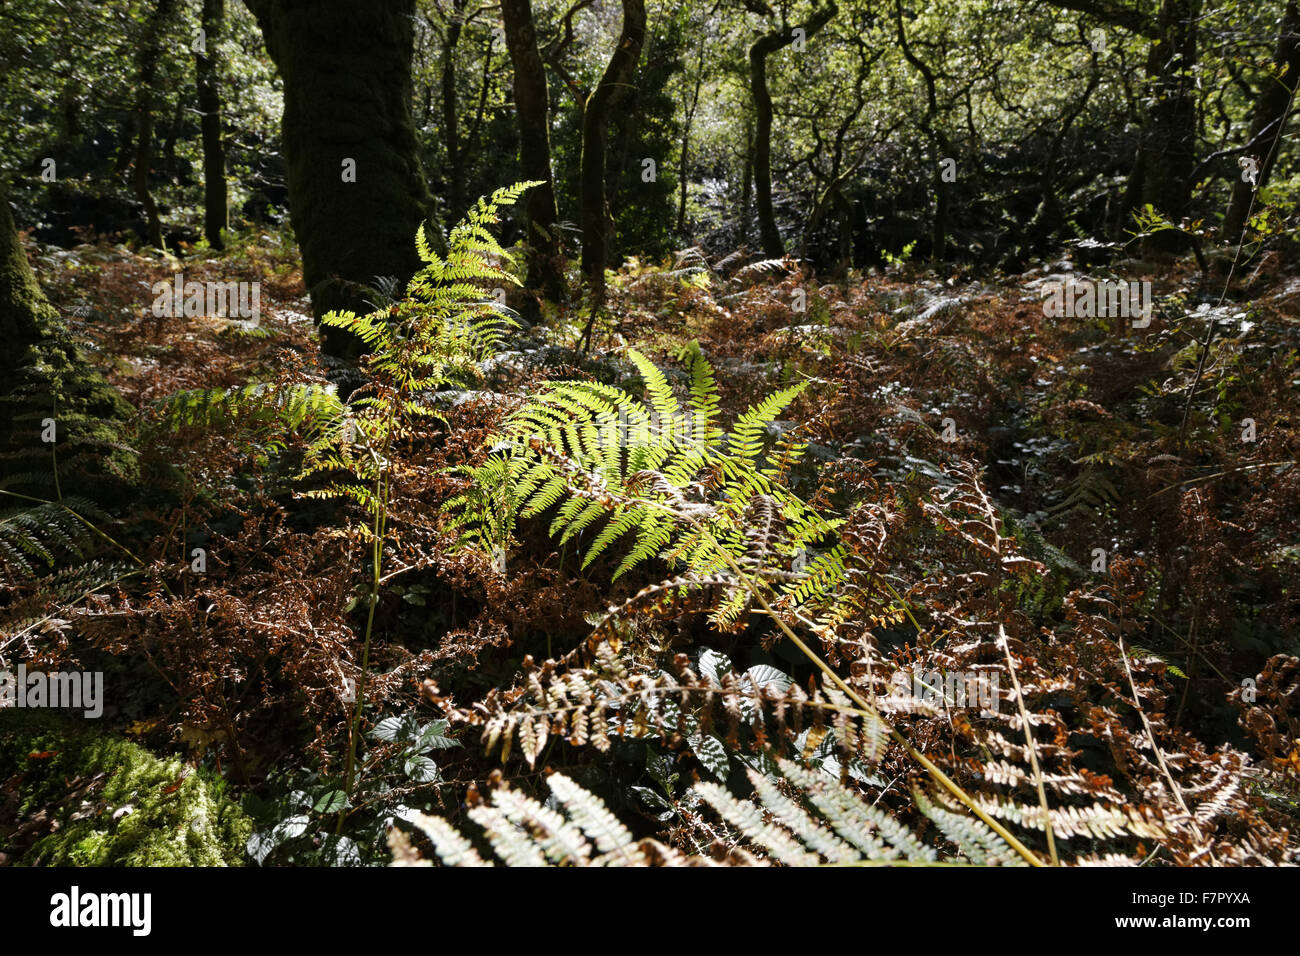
(376, 559)
(1160, 755)
(1029, 742)
(907, 607)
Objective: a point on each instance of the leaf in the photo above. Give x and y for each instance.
(341, 851)
(651, 798)
(713, 664)
(290, 828)
(421, 769)
(712, 754)
(261, 844)
(434, 737)
(764, 675)
(331, 802)
(390, 728)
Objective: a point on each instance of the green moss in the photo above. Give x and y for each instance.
(178, 816)
(94, 461)
(43, 375)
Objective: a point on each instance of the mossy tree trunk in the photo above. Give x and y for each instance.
(356, 189)
(769, 235)
(597, 225)
(44, 377)
(532, 109)
(746, 187)
(689, 106)
(940, 146)
(450, 113)
(23, 309)
(1166, 155)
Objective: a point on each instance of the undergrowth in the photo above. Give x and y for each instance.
(915, 577)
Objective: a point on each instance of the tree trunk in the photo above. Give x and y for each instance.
(844, 262)
(746, 185)
(208, 80)
(347, 108)
(597, 226)
(450, 108)
(1169, 134)
(768, 233)
(940, 145)
(150, 52)
(765, 46)
(684, 167)
(942, 202)
(23, 309)
(1166, 156)
(43, 376)
(532, 110)
(1268, 121)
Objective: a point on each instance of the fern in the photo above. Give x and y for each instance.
(33, 538)
(613, 467)
(756, 270)
(1090, 494)
(438, 333)
(260, 409)
(827, 823)
(444, 328)
(88, 456)
(522, 832)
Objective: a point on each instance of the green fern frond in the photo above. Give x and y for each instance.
(593, 453)
(33, 538)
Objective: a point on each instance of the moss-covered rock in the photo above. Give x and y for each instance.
(73, 796)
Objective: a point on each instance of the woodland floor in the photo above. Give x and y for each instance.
(1075, 428)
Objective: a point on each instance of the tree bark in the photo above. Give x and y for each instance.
(1170, 133)
(1268, 121)
(146, 75)
(684, 167)
(43, 375)
(347, 96)
(23, 309)
(597, 225)
(208, 81)
(450, 108)
(532, 110)
(765, 46)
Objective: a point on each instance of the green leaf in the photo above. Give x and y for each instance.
(434, 737)
(332, 802)
(421, 769)
(390, 728)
